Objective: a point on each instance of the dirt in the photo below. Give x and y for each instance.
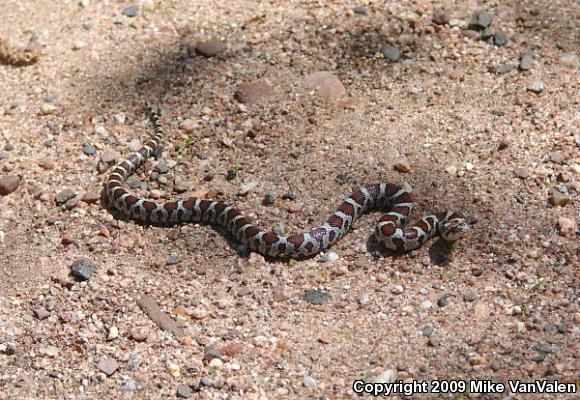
(488, 130)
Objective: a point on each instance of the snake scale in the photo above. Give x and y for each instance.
(394, 200)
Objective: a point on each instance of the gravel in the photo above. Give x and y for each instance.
(83, 269)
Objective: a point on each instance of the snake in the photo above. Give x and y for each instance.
(395, 201)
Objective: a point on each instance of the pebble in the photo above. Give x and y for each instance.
(89, 149)
(443, 301)
(567, 226)
(131, 11)
(309, 382)
(470, 295)
(83, 268)
(326, 84)
(49, 351)
(426, 305)
(403, 166)
(451, 169)
(108, 366)
(216, 363)
(387, 376)
(41, 313)
(397, 289)
(441, 15)
(522, 172)
(360, 10)
(173, 370)
(486, 33)
(536, 87)
(364, 299)
(316, 297)
(480, 20)
(109, 157)
(113, 333)
(129, 385)
(253, 92)
(8, 184)
(184, 392)
(500, 38)
(210, 48)
(526, 61)
(390, 52)
(188, 125)
(134, 145)
(91, 197)
(269, 198)
(139, 333)
(47, 109)
(64, 195)
(281, 293)
(161, 167)
(559, 199)
(331, 256)
(173, 259)
(570, 60)
(247, 188)
(78, 44)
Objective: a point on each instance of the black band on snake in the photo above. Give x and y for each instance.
(394, 200)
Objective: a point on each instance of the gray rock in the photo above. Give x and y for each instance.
(443, 301)
(500, 38)
(161, 167)
(64, 195)
(129, 385)
(184, 392)
(173, 259)
(8, 184)
(486, 33)
(526, 61)
(480, 20)
(360, 10)
(390, 52)
(570, 60)
(89, 149)
(536, 87)
(83, 268)
(131, 11)
(316, 297)
(108, 366)
(269, 198)
(309, 382)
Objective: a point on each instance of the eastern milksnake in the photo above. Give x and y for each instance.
(392, 199)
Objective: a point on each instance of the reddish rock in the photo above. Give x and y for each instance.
(8, 184)
(327, 85)
(210, 48)
(253, 92)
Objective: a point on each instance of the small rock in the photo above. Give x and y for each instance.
(109, 157)
(451, 169)
(486, 33)
(470, 295)
(134, 145)
(41, 313)
(364, 299)
(388, 376)
(403, 166)
(129, 385)
(47, 109)
(526, 62)
(49, 351)
(360, 10)
(522, 172)
(91, 197)
(89, 149)
(173, 259)
(184, 392)
(269, 198)
(188, 125)
(390, 52)
(570, 60)
(281, 293)
(113, 333)
(331, 256)
(435, 340)
(426, 305)
(247, 188)
(567, 226)
(64, 195)
(139, 334)
(108, 366)
(309, 382)
(536, 87)
(559, 199)
(173, 370)
(161, 167)
(397, 289)
(480, 20)
(83, 268)
(131, 11)
(216, 363)
(210, 48)
(443, 301)
(78, 44)
(316, 297)
(441, 15)
(253, 92)
(326, 84)
(500, 38)
(8, 184)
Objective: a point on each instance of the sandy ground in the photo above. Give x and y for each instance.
(482, 134)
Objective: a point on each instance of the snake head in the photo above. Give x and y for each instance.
(454, 229)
